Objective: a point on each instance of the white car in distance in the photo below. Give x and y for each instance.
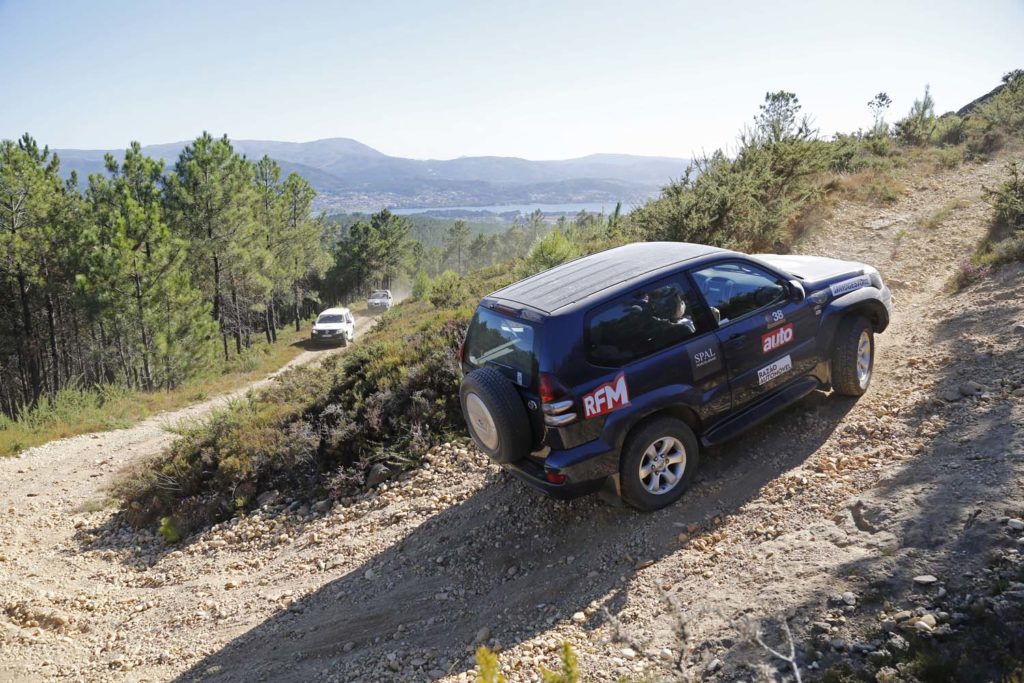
(334, 326)
(380, 299)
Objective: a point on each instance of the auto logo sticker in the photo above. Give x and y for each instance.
(776, 369)
(705, 358)
(847, 286)
(777, 338)
(607, 397)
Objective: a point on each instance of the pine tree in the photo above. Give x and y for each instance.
(210, 195)
(456, 244)
(136, 272)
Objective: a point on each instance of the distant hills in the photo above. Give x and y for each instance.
(351, 176)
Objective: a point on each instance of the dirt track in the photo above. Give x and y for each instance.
(831, 497)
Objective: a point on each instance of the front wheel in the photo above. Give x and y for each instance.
(658, 463)
(853, 357)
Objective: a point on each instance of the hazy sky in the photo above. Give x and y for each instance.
(446, 78)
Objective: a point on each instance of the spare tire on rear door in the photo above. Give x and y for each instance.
(495, 414)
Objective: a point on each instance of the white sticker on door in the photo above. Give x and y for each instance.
(776, 369)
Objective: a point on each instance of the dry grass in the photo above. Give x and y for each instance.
(84, 411)
(870, 185)
(934, 219)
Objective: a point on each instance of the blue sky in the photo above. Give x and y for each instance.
(448, 78)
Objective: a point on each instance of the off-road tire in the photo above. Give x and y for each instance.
(631, 483)
(502, 402)
(344, 339)
(845, 351)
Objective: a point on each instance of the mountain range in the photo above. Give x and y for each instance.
(351, 176)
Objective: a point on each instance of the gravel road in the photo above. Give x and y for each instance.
(834, 497)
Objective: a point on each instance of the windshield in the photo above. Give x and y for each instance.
(504, 343)
(380, 294)
(330, 319)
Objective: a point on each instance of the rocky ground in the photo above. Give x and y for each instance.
(883, 530)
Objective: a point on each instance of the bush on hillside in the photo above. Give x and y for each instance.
(1008, 200)
(1005, 242)
(320, 429)
(448, 290)
(551, 250)
(421, 286)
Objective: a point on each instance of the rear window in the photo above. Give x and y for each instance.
(503, 343)
(643, 322)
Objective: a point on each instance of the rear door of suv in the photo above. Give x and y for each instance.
(767, 338)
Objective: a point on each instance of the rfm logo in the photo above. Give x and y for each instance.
(607, 397)
(776, 338)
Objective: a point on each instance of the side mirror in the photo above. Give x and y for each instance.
(796, 291)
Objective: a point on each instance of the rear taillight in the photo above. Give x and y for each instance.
(555, 477)
(557, 402)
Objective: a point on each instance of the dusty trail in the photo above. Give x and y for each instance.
(831, 497)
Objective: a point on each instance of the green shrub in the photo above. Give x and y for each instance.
(551, 250)
(421, 286)
(919, 125)
(1008, 200)
(1005, 241)
(168, 531)
(448, 290)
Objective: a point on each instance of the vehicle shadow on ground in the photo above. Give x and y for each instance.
(310, 345)
(521, 560)
(941, 515)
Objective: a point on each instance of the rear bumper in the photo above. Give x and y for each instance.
(585, 468)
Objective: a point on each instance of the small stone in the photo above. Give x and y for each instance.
(950, 394)
(378, 474)
(925, 580)
(1015, 524)
(837, 644)
(629, 653)
(1019, 328)
(322, 506)
(970, 388)
(349, 646)
(902, 615)
(666, 654)
(482, 635)
(898, 643)
(579, 617)
(714, 665)
(267, 498)
(922, 626)
(929, 619)
(849, 598)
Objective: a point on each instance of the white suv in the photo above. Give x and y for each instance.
(380, 299)
(335, 325)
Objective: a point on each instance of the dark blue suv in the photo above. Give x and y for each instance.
(617, 367)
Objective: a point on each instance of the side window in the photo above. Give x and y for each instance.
(643, 322)
(734, 289)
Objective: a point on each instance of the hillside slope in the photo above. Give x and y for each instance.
(831, 498)
(349, 175)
